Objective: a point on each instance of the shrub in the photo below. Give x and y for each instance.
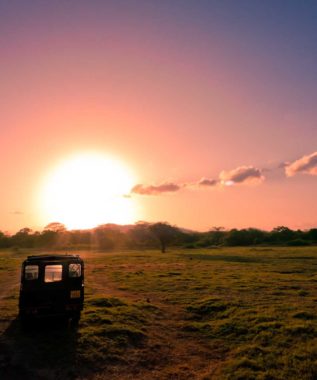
(298, 243)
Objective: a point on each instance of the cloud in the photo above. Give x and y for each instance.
(16, 212)
(306, 164)
(207, 182)
(241, 175)
(244, 174)
(283, 165)
(167, 187)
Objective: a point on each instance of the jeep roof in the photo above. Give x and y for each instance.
(43, 258)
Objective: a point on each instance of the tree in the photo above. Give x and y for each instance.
(312, 234)
(217, 235)
(165, 233)
(237, 238)
(4, 240)
(47, 239)
(55, 226)
(140, 236)
(245, 237)
(23, 238)
(282, 234)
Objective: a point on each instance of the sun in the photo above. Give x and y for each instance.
(87, 190)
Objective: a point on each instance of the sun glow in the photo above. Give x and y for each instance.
(88, 190)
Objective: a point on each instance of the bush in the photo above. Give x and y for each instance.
(298, 243)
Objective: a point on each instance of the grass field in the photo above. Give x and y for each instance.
(227, 313)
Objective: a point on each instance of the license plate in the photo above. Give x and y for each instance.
(75, 294)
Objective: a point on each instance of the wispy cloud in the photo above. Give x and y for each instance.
(246, 175)
(207, 182)
(241, 175)
(167, 187)
(306, 164)
(282, 165)
(16, 212)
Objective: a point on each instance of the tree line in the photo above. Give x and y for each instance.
(143, 235)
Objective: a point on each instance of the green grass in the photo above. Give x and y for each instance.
(230, 313)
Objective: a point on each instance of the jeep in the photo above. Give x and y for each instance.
(52, 285)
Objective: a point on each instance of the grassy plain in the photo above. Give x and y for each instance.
(227, 313)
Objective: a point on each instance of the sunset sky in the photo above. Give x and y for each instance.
(204, 113)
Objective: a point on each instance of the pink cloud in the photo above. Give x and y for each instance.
(207, 182)
(155, 189)
(306, 164)
(241, 175)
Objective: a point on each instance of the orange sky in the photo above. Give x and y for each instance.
(177, 92)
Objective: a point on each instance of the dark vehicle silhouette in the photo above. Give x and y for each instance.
(52, 285)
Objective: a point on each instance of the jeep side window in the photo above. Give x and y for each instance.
(53, 273)
(31, 272)
(74, 270)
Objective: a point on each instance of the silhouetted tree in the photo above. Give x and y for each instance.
(146, 235)
(140, 236)
(105, 237)
(245, 237)
(81, 237)
(281, 234)
(4, 240)
(165, 233)
(312, 234)
(46, 239)
(237, 237)
(55, 226)
(23, 238)
(217, 235)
